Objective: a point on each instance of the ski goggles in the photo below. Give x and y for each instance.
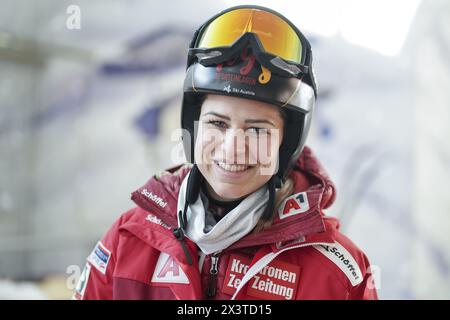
(275, 41)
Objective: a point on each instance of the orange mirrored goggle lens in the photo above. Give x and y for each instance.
(275, 34)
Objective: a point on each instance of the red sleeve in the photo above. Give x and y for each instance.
(96, 280)
(366, 290)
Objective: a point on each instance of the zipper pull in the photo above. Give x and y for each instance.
(179, 234)
(211, 290)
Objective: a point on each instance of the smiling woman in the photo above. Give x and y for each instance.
(252, 195)
(231, 148)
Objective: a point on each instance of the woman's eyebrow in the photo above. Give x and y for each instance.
(260, 121)
(217, 115)
(246, 121)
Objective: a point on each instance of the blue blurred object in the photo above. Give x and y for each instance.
(148, 121)
(158, 51)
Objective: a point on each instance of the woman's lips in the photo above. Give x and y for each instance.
(232, 167)
(232, 170)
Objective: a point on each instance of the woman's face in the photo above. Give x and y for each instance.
(237, 145)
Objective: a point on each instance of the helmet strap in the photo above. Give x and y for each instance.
(267, 214)
(194, 183)
(277, 182)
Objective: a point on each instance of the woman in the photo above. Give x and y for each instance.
(245, 219)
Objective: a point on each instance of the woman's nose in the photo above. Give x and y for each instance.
(234, 146)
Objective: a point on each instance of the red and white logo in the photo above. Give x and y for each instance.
(168, 270)
(295, 204)
(276, 281)
(100, 257)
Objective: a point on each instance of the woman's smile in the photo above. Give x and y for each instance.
(226, 171)
(232, 167)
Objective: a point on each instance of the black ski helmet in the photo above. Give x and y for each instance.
(246, 73)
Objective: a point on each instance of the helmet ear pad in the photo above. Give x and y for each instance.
(190, 113)
(294, 126)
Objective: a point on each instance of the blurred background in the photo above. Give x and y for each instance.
(90, 95)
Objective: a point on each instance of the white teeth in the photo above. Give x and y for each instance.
(232, 167)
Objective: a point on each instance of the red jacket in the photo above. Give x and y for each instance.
(301, 256)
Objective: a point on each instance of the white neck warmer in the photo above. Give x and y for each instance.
(233, 226)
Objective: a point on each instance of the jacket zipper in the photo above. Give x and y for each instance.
(212, 279)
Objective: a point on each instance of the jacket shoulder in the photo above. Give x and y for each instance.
(130, 215)
(347, 259)
(172, 178)
(160, 193)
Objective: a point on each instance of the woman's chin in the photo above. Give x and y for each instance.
(225, 194)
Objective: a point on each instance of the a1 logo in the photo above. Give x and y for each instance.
(295, 204)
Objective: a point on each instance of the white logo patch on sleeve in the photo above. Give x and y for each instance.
(168, 270)
(82, 283)
(344, 260)
(100, 257)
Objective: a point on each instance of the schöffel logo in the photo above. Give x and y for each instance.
(344, 260)
(156, 220)
(154, 198)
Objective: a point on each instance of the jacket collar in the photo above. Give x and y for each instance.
(159, 196)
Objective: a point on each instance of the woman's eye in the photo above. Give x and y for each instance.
(258, 131)
(217, 123)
